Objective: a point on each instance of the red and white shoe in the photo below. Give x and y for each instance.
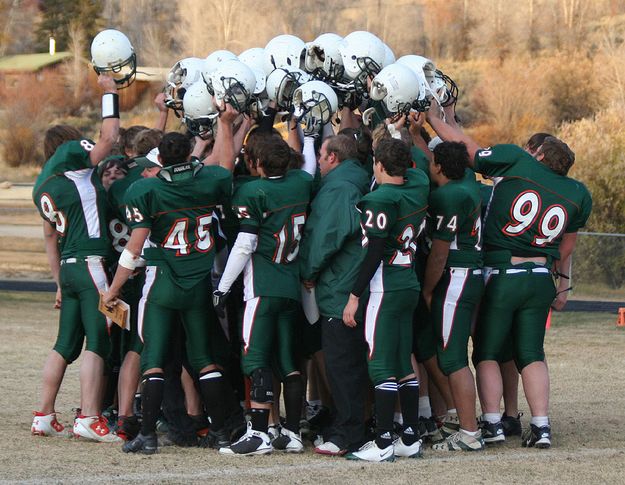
(47, 425)
(94, 428)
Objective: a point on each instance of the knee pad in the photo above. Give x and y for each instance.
(262, 386)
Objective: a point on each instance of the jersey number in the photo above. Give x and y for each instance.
(524, 212)
(52, 215)
(120, 233)
(177, 239)
(284, 244)
(404, 256)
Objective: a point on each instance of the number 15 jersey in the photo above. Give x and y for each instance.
(276, 209)
(531, 206)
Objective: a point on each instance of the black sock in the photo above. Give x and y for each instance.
(260, 419)
(151, 399)
(293, 400)
(409, 402)
(385, 399)
(211, 387)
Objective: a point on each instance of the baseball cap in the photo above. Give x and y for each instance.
(150, 160)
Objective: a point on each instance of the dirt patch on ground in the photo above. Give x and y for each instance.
(585, 354)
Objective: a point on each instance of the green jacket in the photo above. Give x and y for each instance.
(331, 249)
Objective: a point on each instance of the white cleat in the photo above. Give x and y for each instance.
(288, 441)
(414, 450)
(94, 428)
(370, 452)
(251, 443)
(47, 425)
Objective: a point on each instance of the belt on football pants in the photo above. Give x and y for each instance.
(520, 270)
(456, 270)
(93, 259)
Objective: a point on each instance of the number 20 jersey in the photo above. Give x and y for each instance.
(276, 207)
(531, 206)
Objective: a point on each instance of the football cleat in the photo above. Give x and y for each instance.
(450, 426)
(511, 425)
(216, 439)
(460, 441)
(329, 448)
(144, 444)
(273, 431)
(288, 441)
(428, 430)
(94, 428)
(251, 443)
(403, 450)
(491, 432)
(128, 427)
(539, 437)
(47, 425)
(370, 452)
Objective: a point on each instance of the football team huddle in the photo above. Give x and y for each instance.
(338, 267)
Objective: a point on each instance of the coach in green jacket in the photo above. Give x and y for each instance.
(330, 256)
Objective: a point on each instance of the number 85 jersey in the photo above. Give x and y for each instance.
(531, 206)
(396, 213)
(275, 209)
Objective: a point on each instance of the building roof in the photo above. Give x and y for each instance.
(31, 62)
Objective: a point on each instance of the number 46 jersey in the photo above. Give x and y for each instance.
(531, 206)
(276, 209)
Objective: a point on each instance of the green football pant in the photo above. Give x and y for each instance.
(81, 280)
(388, 331)
(131, 294)
(516, 304)
(424, 338)
(454, 301)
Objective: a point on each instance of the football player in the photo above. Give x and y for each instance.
(391, 217)
(532, 221)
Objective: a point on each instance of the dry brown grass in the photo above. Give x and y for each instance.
(588, 395)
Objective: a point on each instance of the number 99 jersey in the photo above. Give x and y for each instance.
(274, 208)
(396, 213)
(531, 206)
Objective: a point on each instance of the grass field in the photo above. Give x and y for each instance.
(585, 353)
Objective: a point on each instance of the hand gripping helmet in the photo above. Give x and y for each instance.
(215, 59)
(282, 83)
(234, 83)
(323, 58)
(113, 54)
(315, 99)
(363, 55)
(184, 73)
(200, 114)
(286, 51)
(397, 87)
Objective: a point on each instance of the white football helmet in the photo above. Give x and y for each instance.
(389, 56)
(397, 87)
(323, 57)
(215, 59)
(282, 83)
(315, 99)
(287, 51)
(233, 82)
(182, 75)
(425, 71)
(113, 54)
(200, 114)
(363, 55)
(254, 58)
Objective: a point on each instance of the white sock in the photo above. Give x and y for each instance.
(470, 433)
(398, 418)
(492, 418)
(425, 409)
(540, 421)
(452, 411)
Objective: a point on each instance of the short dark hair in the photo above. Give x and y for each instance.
(145, 140)
(274, 155)
(343, 146)
(127, 136)
(556, 155)
(255, 137)
(56, 136)
(174, 148)
(453, 158)
(536, 140)
(394, 155)
(363, 139)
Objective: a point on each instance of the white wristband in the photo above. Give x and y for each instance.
(110, 105)
(128, 260)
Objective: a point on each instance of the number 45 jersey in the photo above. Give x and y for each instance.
(179, 215)
(276, 208)
(531, 206)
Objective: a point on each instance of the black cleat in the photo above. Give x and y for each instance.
(492, 432)
(538, 437)
(147, 445)
(511, 425)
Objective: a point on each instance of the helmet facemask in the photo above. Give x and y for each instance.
(203, 127)
(123, 73)
(233, 92)
(368, 68)
(448, 94)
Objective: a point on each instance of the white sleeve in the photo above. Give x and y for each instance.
(241, 253)
(310, 157)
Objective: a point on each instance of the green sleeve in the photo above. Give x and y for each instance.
(377, 215)
(581, 218)
(247, 204)
(71, 156)
(138, 206)
(497, 160)
(445, 215)
(420, 160)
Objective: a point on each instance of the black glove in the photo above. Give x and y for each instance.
(219, 302)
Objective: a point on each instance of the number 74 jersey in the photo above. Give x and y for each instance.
(275, 208)
(531, 206)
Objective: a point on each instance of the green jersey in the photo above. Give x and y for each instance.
(455, 216)
(118, 226)
(276, 209)
(68, 194)
(395, 213)
(531, 206)
(179, 214)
